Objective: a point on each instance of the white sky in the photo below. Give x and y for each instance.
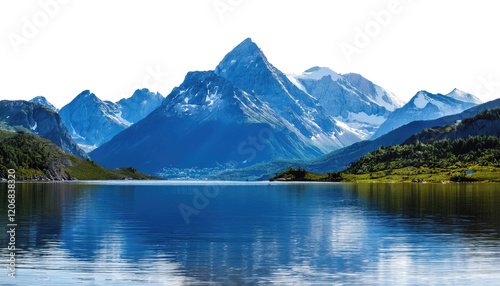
(109, 46)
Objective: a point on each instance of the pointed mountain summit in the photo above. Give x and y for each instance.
(43, 101)
(248, 68)
(463, 96)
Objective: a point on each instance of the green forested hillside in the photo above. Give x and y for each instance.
(479, 150)
(33, 157)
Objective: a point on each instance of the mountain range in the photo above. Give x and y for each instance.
(246, 113)
(205, 122)
(92, 121)
(212, 119)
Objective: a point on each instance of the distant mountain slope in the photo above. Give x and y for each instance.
(37, 119)
(338, 160)
(92, 121)
(485, 123)
(464, 96)
(425, 106)
(36, 158)
(349, 98)
(43, 101)
(377, 93)
(206, 122)
(139, 105)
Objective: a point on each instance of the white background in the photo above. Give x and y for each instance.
(108, 46)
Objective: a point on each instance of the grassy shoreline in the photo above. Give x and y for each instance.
(482, 174)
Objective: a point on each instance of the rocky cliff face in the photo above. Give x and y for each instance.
(40, 120)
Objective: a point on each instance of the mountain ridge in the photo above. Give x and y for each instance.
(93, 121)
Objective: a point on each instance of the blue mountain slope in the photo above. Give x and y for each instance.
(92, 121)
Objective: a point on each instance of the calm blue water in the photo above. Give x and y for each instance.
(133, 233)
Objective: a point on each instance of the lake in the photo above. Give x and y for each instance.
(229, 233)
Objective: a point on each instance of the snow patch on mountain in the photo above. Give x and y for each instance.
(294, 80)
(382, 94)
(122, 120)
(33, 128)
(421, 100)
(363, 117)
(317, 73)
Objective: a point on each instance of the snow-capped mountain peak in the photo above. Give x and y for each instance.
(463, 96)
